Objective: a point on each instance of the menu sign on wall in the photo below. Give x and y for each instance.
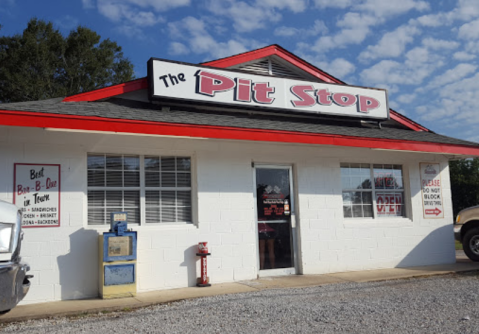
(431, 190)
(37, 194)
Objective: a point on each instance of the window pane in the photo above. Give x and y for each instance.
(152, 163)
(96, 178)
(345, 182)
(153, 215)
(347, 197)
(357, 211)
(356, 182)
(152, 198)
(357, 197)
(368, 211)
(96, 198)
(345, 170)
(184, 214)
(132, 179)
(348, 213)
(96, 161)
(114, 198)
(183, 198)
(183, 164)
(168, 198)
(152, 179)
(367, 198)
(168, 179)
(132, 163)
(168, 215)
(114, 179)
(132, 199)
(96, 216)
(183, 180)
(168, 164)
(379, 177)
(114, 162)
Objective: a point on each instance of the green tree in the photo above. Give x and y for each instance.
(42, 63)
(464, 183)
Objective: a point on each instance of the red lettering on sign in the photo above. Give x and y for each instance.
(261, 92)
(243, 90)
(211, 83)
(305, 100)
(367, 103)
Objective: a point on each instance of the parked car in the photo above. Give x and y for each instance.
(14, 281)
(466, 231)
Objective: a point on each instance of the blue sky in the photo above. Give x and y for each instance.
(424, 52)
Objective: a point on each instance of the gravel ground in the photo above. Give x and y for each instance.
(444, 304)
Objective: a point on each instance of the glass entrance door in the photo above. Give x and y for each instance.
(275, 220)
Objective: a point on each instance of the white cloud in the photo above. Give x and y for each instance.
(392, 44)
(245, 17)
(88, 4)
(295, 6)
(453, 75)
(339, 67)
(467, 9)
(406, 98)
(463, 56)
(380, 8)
(67, 22)
(318, 28)
(194, 33)
(140, 13)
(469, 30)
(131, 31)
(334, 4)
(177, 48)
(383, 8)
(438, 44)
(418, 65)
(434, 20)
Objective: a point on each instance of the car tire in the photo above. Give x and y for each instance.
(470, 244)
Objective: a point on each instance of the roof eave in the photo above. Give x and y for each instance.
(109, 125)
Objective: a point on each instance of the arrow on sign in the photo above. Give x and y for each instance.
(435, 211)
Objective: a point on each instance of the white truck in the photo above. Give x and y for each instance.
(466, 231)
(14, 281)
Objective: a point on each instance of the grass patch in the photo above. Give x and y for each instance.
(458, 245)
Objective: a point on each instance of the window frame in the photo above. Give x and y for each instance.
(143, 188)
(373, 191)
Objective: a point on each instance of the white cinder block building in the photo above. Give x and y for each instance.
(280, 167)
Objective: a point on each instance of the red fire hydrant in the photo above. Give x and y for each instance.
(203, 252)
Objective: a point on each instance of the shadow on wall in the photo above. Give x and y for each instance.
(436, 248)
(190, 264)
(79, 268)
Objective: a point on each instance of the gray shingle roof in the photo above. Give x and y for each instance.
(116, 108)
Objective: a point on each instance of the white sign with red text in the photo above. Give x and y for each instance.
(37, 194)
(431, 190)
(179, 81)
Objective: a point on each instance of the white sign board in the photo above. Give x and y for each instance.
(431, 190)
(37, 194)
(179, 81)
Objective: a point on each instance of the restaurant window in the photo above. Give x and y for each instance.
(372, 191)
(118, 183)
